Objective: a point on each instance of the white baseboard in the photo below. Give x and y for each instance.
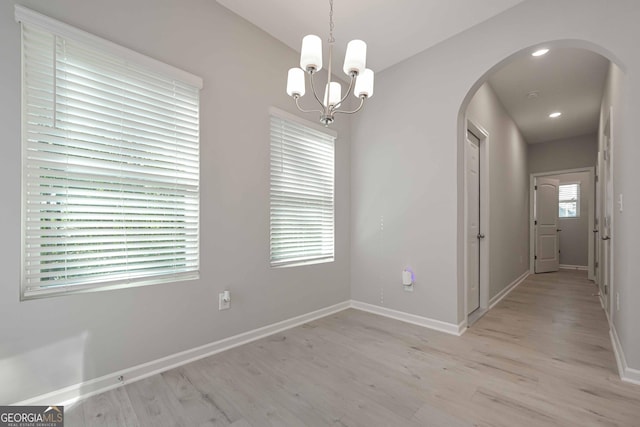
(574, 267)
(503, 293)
(85, 389)
(627, 374)
(438, 325)
(108, 382)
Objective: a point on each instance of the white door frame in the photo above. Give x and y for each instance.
(532, 181)
(607, 135)
(483, 135)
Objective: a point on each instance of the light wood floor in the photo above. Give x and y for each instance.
(542, 357)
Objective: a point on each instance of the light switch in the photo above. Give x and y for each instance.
(620, 202)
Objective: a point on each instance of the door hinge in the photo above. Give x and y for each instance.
(596, 264)
(535, 257)
(606, 289)
(535, 222)
(535, 187)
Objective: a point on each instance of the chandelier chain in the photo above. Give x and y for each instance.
(331, 39)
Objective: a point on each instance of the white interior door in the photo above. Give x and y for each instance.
(599, 220)
(473, 222)
(547, 255)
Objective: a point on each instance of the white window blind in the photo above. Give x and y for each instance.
(110, 165)
(302, 194)
(569, 200)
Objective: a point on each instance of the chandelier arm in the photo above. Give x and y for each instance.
(313, 89)
(348, 91)
(354, 111)
(297, 99)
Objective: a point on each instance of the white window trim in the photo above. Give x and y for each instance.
(578, 201)
(28, 16)
(273, 111)
(23, 14)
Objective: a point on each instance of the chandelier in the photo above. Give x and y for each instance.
(361, 78)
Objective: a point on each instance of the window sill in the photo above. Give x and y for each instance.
(303, 263)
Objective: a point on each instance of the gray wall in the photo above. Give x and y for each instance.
(407, 152)
(574, 238)
(509, 194)
(572, 153)
(51, 343)
(619, 94)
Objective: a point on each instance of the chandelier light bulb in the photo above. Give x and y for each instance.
(311, 53)
(355, 59)
(364, 84)
(295, 82)
(334, 92)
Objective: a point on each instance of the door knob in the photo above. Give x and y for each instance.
(595, 231)
(480, 236)
(558, 229)
(606, 238)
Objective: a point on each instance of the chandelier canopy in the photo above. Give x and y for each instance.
(361, 78)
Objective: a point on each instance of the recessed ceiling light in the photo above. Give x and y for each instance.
(556, 114)
(540, 52)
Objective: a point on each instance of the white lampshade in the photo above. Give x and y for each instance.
(356, 57)
(311, 53)
(334, 95)
(364, 84)
(295, 82)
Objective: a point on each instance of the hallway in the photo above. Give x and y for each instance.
(542, 357)
(551, 336)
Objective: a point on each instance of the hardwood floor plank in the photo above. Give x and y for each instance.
(110, 409)
(74, 414)
(154, 404)
(198, 405)
(430, 416)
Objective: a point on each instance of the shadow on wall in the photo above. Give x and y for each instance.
(27, 369)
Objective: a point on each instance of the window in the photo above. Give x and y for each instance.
(569, 200)
(110, 163)
(302, 193)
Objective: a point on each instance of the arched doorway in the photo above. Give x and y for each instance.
(487, 265)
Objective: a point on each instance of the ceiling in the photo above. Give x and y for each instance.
(567, 80)
(393, 30)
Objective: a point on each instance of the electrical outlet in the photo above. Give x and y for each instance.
(224, 301)
(617, 301)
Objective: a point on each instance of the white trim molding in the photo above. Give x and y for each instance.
(23, 14)
(438, 325)
(83, 390)
(503, 293)
(626, 373)
(574, 267)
